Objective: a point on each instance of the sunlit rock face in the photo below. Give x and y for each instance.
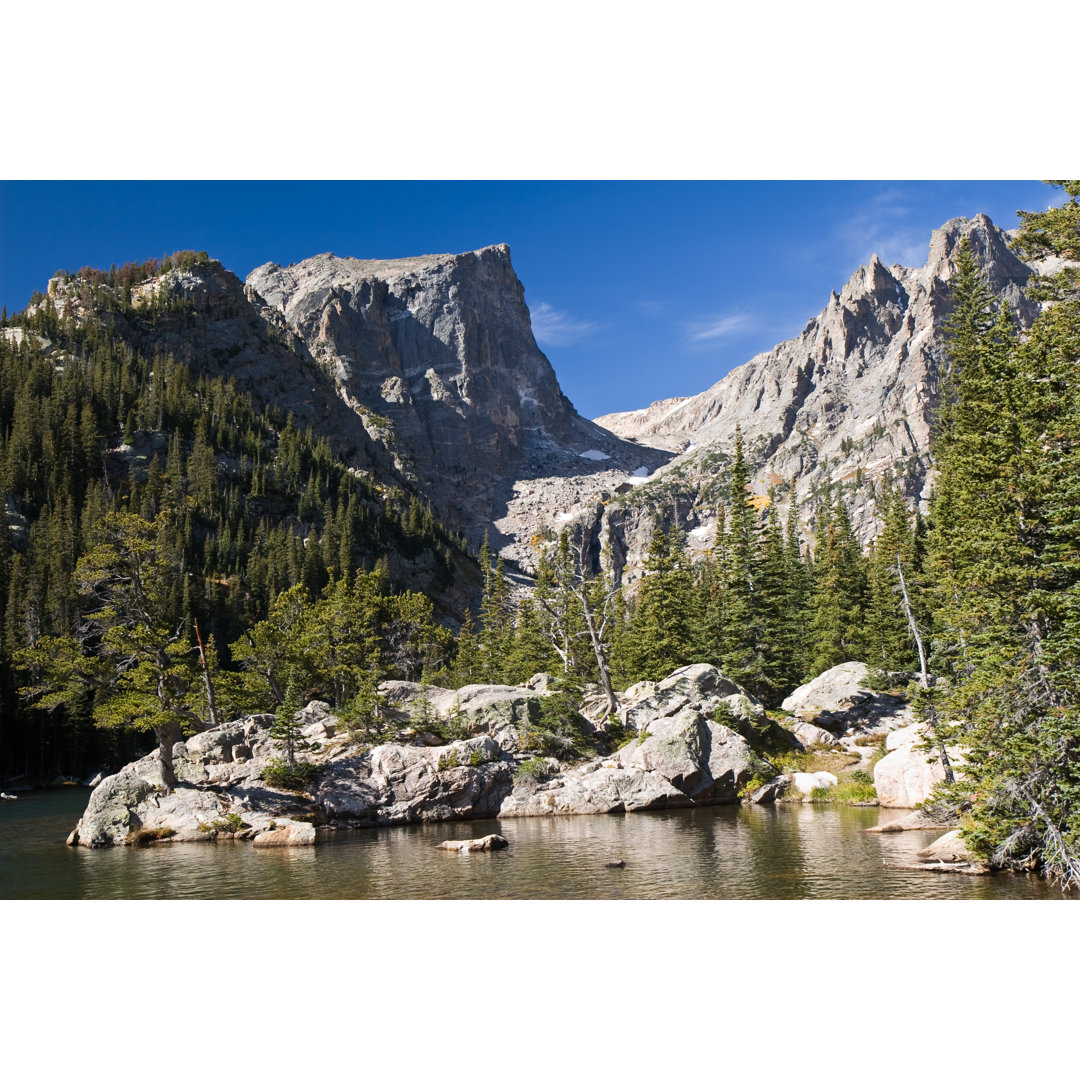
(436, 356)
(849, 402)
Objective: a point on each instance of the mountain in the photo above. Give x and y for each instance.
(424, 375)
(436, 358)
(849, 403)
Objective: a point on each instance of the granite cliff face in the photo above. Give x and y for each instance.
(435, 356)
(850, 402)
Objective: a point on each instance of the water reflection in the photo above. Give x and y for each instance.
(734, 852)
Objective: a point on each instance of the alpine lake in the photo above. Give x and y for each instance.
(782, 852)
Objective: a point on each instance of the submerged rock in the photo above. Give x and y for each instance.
(491, 842)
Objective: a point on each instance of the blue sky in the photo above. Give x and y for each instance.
(638, 290)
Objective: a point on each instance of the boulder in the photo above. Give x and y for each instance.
(700, 687)
(838, 700)
(949, 848)
(491, 842)
(949, 854)
(684, 759)
(394, 783)
(771, 791)
(110, 816)
(812, 735)
(806, 783)
(907, 775)
(286, 833)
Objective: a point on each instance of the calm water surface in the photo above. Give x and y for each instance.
(718, 853)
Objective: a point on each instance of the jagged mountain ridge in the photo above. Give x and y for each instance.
(850, 402)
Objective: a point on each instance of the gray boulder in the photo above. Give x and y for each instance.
(908, 774)
(286, 833)
(683, 758)
(396, 784)
(812, 735)
(491, 842)
(838, 701)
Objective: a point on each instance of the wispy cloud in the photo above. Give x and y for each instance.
(719, 326)
(552, 326)
(878, 227)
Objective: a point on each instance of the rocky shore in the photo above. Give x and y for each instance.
(693, 739)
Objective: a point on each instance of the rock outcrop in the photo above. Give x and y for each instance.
(907, 774)
(679, 757)
(435, 356)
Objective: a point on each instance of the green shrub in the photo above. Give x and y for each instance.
(280, 774)
(751, 785)
(476, 759)
(879, 680)
(558, 730)
(231, 823)
(617, 735)
(536, 769)
(725, 717)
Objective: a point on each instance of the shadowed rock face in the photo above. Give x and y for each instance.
(850, 401)
(436, 356)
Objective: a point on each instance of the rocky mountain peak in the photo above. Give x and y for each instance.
(849, 403)
(435, 354)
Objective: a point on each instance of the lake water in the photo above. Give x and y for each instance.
(718, 853)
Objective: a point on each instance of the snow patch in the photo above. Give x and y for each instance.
(643, 471)
(701, 530)
(595, 455)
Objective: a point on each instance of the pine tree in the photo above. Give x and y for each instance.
(1003, 554)
(661, 631)
(837, 603)
(286, 730)
(889, 645)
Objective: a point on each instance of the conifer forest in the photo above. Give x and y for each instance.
(180, 552)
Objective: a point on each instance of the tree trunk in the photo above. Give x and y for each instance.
(168, 735)
(924, 679)
(600, 654)
(208, 682)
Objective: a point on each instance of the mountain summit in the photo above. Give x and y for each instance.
(436, 356)
(849, 403)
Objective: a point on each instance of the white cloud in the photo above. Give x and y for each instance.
(878, 228)
(721, 326)
(551, 326)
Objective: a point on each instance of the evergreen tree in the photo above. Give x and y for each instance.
(837, 603)
(661, 634)
(286, 730)
(889, 644)
(1003, 552)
